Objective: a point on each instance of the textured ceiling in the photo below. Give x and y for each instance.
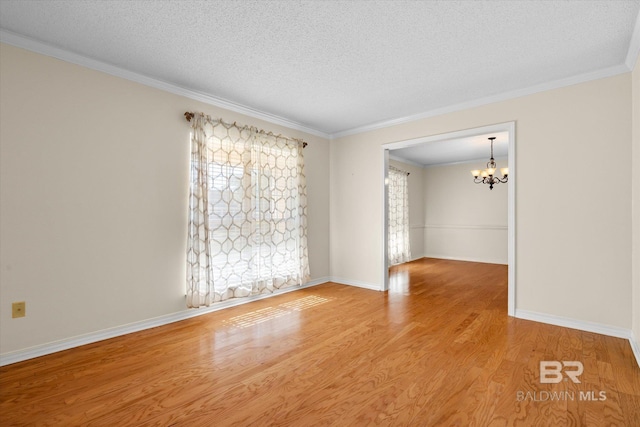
(335, 66)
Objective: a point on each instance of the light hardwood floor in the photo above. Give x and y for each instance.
(437, 350)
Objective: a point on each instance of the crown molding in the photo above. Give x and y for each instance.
(634, 46)
(406, 161)
(435, 165)
(20, 41)
(556, 84)
(464, 162)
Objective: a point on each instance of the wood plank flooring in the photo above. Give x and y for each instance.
(437, 350)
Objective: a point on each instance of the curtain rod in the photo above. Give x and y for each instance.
(189, 115)
(399, 170)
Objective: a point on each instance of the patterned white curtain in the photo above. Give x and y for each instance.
(399, 250)
(247, 213)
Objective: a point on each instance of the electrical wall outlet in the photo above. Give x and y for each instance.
(18, 309)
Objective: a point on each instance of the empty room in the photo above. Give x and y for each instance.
(299, 213)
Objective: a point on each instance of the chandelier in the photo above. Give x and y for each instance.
(487, 176)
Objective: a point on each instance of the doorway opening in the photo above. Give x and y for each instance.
(442, 143)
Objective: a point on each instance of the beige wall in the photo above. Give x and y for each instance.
(94, 175)
(573, 197)
(93, 191)
(464, 220)
(636, 203)
(416, 207)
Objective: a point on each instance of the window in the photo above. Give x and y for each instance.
(248, 192)
(399, 250)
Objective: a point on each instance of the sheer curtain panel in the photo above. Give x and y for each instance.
(247, 212)
(399, 250)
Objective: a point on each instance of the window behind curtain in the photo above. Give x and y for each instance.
(398, 247)
(255, 216)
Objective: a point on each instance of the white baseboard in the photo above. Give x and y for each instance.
(356, 283)
(582, 325)
(67, 343)
(483, 261)
(635, 346)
